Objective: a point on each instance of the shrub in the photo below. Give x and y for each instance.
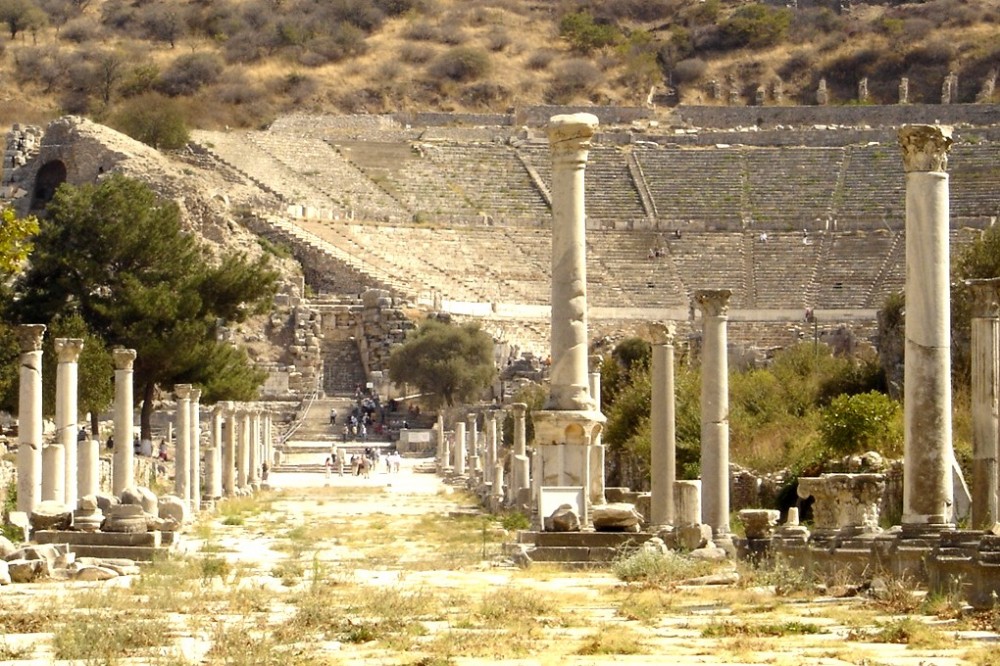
(584, 34)
(359, 13)
(933, 53)
(80, 30)
(756, 26)
(540, 60)
(862, 422)
(345, 41)
(689, 69)
(498, 40)
(461, 64)
(422, 31)
(652, 568)
(416, 54)
(189, 73)
(154, 120)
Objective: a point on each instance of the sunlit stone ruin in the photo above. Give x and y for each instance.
(716, 233)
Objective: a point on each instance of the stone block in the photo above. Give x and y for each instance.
(615, 517)
(51, 515)
(692, 537)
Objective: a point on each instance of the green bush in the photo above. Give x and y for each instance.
(756, 26)
(461, 64)
(155, 120)
(862, 422)
(584, 34)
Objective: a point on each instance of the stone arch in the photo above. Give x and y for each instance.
(47, 180)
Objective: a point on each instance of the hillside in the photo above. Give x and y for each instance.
(241, 63)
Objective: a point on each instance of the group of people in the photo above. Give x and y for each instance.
(361, 464)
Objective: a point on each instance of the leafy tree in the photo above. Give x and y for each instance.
(137, 280)
(21, 15)
(448, 363)
(756, 26)
(15, 245)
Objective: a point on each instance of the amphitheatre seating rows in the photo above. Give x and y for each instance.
(975, 174)
(873, 185)
(621, 274)
(789, 185)
(784, 267)
(853, 264)
(711, 260)
(704, 184)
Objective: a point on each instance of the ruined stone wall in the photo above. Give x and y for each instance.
(980, 115)
(382, 326)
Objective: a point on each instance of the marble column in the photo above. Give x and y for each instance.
(521, 463)
(253, 472)
(985, 412)
(194, 457)
(123, 469)
(663, 461)
(571, 421)
(268, 435)
(927, 446)
(29, 418)
(182, 427)
(54, 474)
(67, 411)
(243, 448)
(489, 468)
(213, 458)
(88, 471)
(597, 443)
(442, 457)
(714, 305)
(460, 447)
(472, 433)
(229, 438)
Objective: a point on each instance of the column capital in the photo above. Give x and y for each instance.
(663, 332)
(471, 416)
(569, 133)
(985, 297)
(519, 408)
(219, 409)
(925, 147)
(123, 358)
(182, 391)
(713, 302)
(29, 337)
(68, 349)
(195, 394)
(596, 362)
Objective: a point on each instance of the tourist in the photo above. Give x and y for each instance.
(111, 442)
(82, 435)
(333, 417)
(163, 450)
(327, 465)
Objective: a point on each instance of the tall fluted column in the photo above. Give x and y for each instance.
(663, 462)
(460, 448)
(985, 407)
(67, 411)
(194, 459)
(243, 448)
(213, 457)
(229, 438)
(927, 447)
(571, 422)
(122, 471)
(29, 418)
(254, 462)
(182, 465)
(714, 304)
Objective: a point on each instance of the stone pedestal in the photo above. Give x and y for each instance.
(714, 305)
(68, 350)
(927, 489)
(182, 466)
(663, 465)
(194, 459)
(123, 474)
(985, 412)
(29, 418)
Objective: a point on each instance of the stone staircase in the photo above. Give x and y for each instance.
(343, 370)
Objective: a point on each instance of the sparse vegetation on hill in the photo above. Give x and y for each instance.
(242, 62)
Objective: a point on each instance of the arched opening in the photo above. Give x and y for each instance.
(49, 178)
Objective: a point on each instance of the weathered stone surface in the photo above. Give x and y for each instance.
(126, 518)
(848, 501)
(619, 516)
(90, 572)
(51, 515)
(4, 573)
(759, 523)
(173, 508)
(709, 553)
(26, 571)
(105, 501)
(7, 547)
(692, 537)
(563, 519)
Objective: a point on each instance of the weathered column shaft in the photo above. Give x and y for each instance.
(54, 474)
(491, 447)
(520, 462)
(441, 457)
(253, 471)
(663, 466)
(213, 456)
(714, 305)
(928, 457)
(88, 477)
(243, 448)
(194, 459)
(569, 138)
(597, 489)
(229, 437)
(985, 407)
(460, 447)
(122, 472)
(472, 433)
(29, 418)
(182, 466)
(67, 411)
